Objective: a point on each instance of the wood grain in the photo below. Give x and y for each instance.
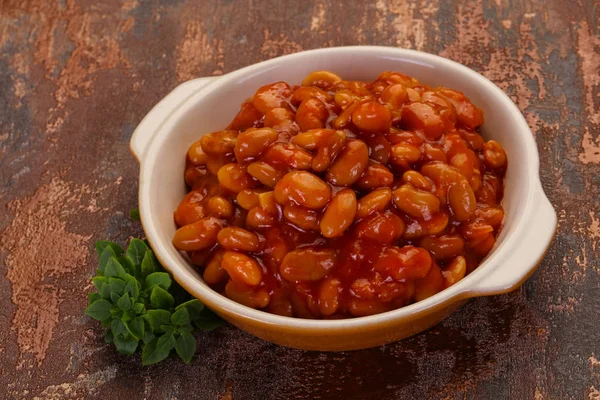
(76, 77)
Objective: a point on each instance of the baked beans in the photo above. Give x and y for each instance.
(341, 198)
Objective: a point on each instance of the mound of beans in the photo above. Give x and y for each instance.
(340, 198)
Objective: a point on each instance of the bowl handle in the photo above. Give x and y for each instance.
(151, 123)
(526, 257)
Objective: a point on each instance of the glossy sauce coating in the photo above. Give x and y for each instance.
(340, 199)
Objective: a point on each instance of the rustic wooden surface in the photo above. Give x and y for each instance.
(77, 76)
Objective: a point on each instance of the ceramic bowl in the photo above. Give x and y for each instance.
(205, 105)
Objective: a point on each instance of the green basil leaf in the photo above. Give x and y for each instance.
(105, 291)
(161, 279)
(136, 251)
(129, 265)
(180, 317)
(152, 354)
(186, 347)
(103, 244)
(185, 329)
(114, 269)
(124, 303)
(92, 297)
(129, 278)
(150, 264)
(126, 345)
(160, 298)
(115, 312)
(107, 253)
(138, 308)
(156, 318)
(143, 296)
(98, 281)
(127, 315)
(109, 337)
(166, 342)
(194, 306)
(148, 336)
(168, 328)
(136, 327)
(114, 297)
(134, 214)
(117, 327)
(133, 288)
(117, 285)
(207, 320)
(99, 310)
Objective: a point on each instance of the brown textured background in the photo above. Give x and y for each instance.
(77, 76)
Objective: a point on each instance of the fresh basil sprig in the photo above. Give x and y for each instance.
(142, 307)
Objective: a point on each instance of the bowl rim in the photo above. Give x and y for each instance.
(456, 292)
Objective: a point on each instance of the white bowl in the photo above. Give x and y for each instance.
(204, 105)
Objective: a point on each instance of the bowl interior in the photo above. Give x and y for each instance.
(213, 108)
